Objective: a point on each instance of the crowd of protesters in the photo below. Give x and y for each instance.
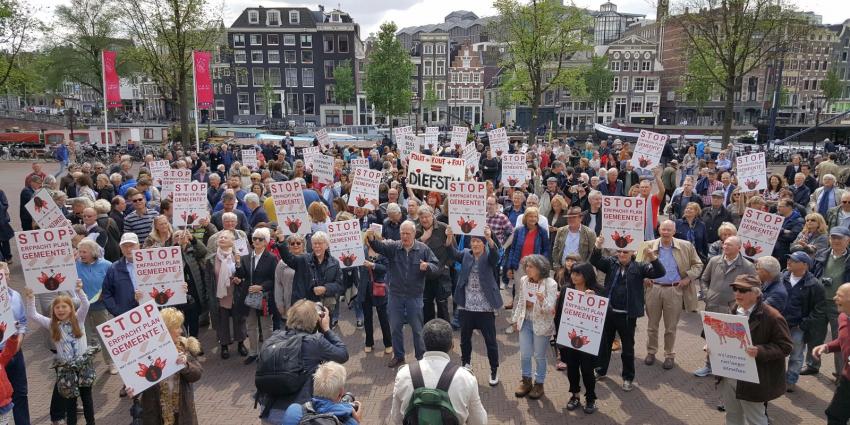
(540, 238)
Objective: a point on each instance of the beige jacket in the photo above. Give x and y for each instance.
(543, 316)
(717, 278)
(689, 265)
(586, 240)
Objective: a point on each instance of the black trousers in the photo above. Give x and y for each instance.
(624, 326)
(580, 367)
(68, 406)
(192, 315)
(436, 294)
(485, 322)
(383, 320)
(838, 412)
(5, 250)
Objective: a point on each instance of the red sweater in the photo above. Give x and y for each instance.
(841, 344)
(9, 351)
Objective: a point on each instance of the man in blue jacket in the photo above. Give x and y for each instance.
(119, 285)
(61, 155)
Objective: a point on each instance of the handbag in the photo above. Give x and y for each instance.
(379, 289)
(254, 300)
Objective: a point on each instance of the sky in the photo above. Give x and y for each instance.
(371, 13)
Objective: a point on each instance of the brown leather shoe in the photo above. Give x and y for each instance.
(524, 388)
(395, 362)
(536, 392)
(649, 360)
(669, 363)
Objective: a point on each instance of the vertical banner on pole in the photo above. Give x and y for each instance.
(203, 88)
(111, 90)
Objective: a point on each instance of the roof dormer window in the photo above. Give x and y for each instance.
(336, 17)
(294, 17)
(253, 17)
(273, 18)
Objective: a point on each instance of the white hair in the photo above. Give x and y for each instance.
(252, 198)
(262, 232)
(393, 208)
(321, 237)
(229, 216)
(329, 380)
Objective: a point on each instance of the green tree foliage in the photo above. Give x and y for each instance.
(18, 30)
(165, 32)
(598, 83)
(430, 100)
(699, 81)
(541, 38)
(344, 90)
(388, 74)
(832, 87)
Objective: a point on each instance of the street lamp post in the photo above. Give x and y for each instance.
(818, 104)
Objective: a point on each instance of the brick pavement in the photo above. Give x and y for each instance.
(223, 395)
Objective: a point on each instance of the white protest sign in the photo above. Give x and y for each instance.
(400, 132)
(157, 167)
(752, 171)
(758, 232)
(498, 141)
(582, 321)
(471, 159)
(432, 138)
(323, 138)
(728, 337)
(623, 222)
(7, 315)
(290, 207)
(241, 246)
(159, 275)
(359, 163)
(47, 259)
(345, 243)
(171, 177)
(249, 159)
(376, 228)
(648, 149)
(310, 153)
(364, 187)
(190, 204)
(323, 169)
(514, 169)
(434, 172)
(410, 143)
(140, 347)
(45, 212)
(459, 135)
(524, 148)
(468, 207)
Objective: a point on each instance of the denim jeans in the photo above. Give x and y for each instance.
(532, 345)
(795, 360)
(401, 309)
(63, 165)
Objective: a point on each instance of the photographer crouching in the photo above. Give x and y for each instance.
(329, 399)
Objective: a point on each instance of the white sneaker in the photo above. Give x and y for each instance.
(628, 386)
(113, 370)
(469, 368)
(510, 330)
(703, 372)
(494, 378)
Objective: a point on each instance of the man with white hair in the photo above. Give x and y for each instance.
(328, 399)
(774, 294)
(392, 224)
(826, 196)
(410, 262)
(258, 214)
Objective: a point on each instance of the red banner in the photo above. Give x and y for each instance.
(111, 86)
(203, 81)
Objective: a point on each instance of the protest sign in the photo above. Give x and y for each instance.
(468, 207)
(623, 222)
(45, 212)
(514, 169)
(359, 163)
(498, 141)
(758, 232)
(171, 177)
(728, 337)
(157, 167)
(648, 149)
(432, 138)
(400, 132)
(7, 315)
(364, 187)
(472, 159)
(524, 148)
(190, 204)
(323, 138)
(140, 347)
(582, 321)
(434, 172)
(323, 169)
(249, 159)
(376, 228)
(290, 207)
(310, 153)
(752, 171)
(47, 259)
(346, 245)
(410, 143)
(159, 275)
(459, 135)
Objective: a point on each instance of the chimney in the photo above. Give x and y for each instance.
(321, 8)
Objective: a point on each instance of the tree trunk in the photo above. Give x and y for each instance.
(183, 101)
(728, 112)
(535, 109)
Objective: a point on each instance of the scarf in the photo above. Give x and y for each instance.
(225, 271)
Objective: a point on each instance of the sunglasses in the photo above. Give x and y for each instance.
(845, 202)
(740, 290)
(810, 219)
(294, 243)
(139, 200)
(255, 238)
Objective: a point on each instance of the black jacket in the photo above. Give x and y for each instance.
(262, 274)
(713, 219)
(635, 274)
(26, 219)
(678, 207)
(805, 306)
(309, 274)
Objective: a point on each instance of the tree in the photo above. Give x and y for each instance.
(268, 92)
(18, 28)
(738, 36)
(831, 88)
(429, 101)
(598, 83)
(87, 28)
(344, 90)
(388, 74)
(541, 38)
(165, 33)
(699, 84)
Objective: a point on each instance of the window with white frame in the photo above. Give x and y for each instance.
(635, 66)
(615, 66)
(239, 56)
(441, 49)
(307, 77)
(428, 48)
(258, 76)
(273, 56)
(289, 56)
(646, 66)
(289, 39)
(453, 77)
(637, 107)
(464, 93)
(273, 18)
(309, 104)
(273, 39)
(227, 89)
(650, 106)
(615, 84)
(328, 43)
(291, 77)
(475, 94)
(306, 56)
(453, 92)
(274, 77)
(329, 69)
(256, 40)
(651, 84)
(464, 77)
(225, 72)
(638, 83)
(294, 17)
(476, 77)
(625, 83)
(342, 44)
(256, 56)
(259, 103)
(441, 91)
(238, 40)
(242, 103)
(427, 68)
(306, 41)
(292, 106)
(441, 68)
(241, 77)
(253, 17)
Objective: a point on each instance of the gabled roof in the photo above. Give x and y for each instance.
(307, 18)
(631, 40)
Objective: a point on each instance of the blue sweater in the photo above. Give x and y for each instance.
(342, 411)
(92, 276)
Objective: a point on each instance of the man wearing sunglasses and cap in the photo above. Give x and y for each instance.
(771, 342)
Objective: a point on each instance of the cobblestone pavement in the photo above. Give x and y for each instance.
(223, 395)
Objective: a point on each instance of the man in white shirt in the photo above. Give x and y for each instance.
(463, 390)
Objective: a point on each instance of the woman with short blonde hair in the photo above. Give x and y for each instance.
(814, 237)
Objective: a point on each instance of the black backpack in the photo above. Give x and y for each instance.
(311, 417)
(280, 365)
(431, 406)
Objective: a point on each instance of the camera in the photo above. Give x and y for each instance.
(827, 281)
(320, 309)
(349, 398)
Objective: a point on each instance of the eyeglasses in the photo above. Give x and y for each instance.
(139, 200)
(296, 243)
(741, 290)
(257, 238)
(845, 202)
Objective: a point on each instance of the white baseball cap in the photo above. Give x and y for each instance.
(129, 238)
